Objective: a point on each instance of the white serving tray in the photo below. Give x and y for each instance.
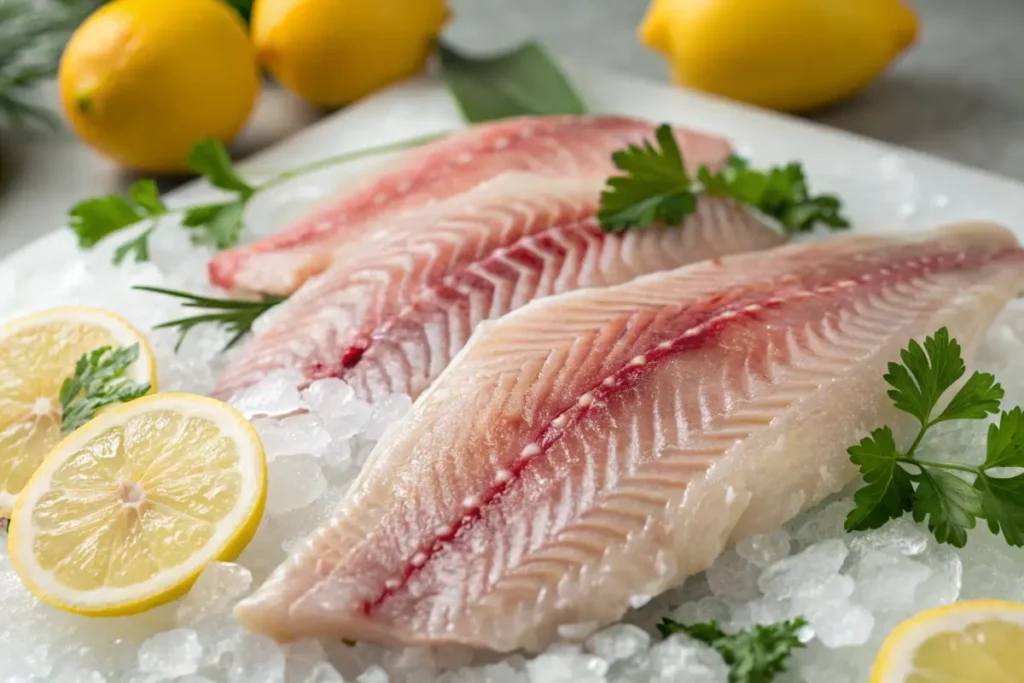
(884, 187)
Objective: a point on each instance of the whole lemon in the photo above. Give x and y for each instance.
(141, 80)
(332, 52)
(791, 55)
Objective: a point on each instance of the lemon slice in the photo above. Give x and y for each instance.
(37, 353)
(969, 642)
(126, 512)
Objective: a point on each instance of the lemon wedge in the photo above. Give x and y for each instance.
(126, 512)
(37, 353)
(968, 642)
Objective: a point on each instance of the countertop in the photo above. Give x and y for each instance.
(958, 94)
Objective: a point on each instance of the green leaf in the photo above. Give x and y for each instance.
(888, 489)
(98, 381)
(755, 655)
(1002, 500)
(978, 398)
(243, 7)
(221, 223)
(146, 194)
(926, 373)
(93, 219)
(137, 248)
(525, 81)
(950, 505)
(655, 187)
(780, 192)
(1005, 446)
(210, 158)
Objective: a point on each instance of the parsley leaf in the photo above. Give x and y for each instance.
(1006, 441)
(756, 655)
(655, 187)
(888, 491)
(978, 398)
(94, 219)
(925, 374)
(1002, 500)
(138, 248)
(949, 503)
(210, 158)
(147, 196)
(98, 381)
(221, 223)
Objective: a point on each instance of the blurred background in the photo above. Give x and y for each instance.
(954, 93)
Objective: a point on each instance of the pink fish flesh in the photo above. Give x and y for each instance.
(556, 147)
(389, 316)
(607, 443)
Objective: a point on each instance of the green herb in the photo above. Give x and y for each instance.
(525, 81)
(99, 381)
(32, 36)
(218, 224)
(243, 7)
(754, 656)
(657, 189)
(234, 315)
(950, 503)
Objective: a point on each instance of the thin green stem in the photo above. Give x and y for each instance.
(348, 157)
(942, 465)
(917, 441)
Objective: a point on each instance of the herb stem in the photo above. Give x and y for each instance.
(941, 465)
(917, 442)
(348, 157)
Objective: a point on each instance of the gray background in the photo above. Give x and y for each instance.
(958, 94)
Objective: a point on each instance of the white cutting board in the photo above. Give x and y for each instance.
(883, 187)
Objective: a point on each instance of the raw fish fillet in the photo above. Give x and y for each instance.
(389, 316)
(604, 444)
(557, 147)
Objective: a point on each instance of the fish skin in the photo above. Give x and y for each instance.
(388, 317)
(554, 146)
(459, 531)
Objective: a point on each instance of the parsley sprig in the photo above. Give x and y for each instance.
(942, 493)
(235, 315)
(217, 224)
(756, 655)
(99, 380)
(657, 189)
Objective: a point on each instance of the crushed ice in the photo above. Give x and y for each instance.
(852, 588)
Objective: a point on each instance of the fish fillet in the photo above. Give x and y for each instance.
(556, 146)
(390, 315)
(602, 445)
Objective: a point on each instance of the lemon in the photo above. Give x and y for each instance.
(37, 353)
(969, 642)
(126, 512)
(790, 55)
(141, 80)
(332, 52)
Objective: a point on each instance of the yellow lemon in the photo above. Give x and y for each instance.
(969, 642)
(790, 55)
(126, 512)
(141, 80)
(37, 353)
(332, 52)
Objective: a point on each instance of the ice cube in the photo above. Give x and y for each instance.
(763, 550)
(567, 667)
(733, 577)
(943, 586)
(821, 523)
(219, 587)
(900, 536)
(171, 653)
(275, 394)
(620, 641)
(257, 660)
(840, 623)
(218, 635)
(335, 404)
(885, 581)
(294, 435)
(386, 412)
(700, 611)
(339, 454)
(294, 482)
(681, 658)
(323, 672)
(374, 674)
(817, 563)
